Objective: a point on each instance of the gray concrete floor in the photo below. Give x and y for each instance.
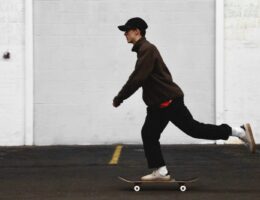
(82, 172)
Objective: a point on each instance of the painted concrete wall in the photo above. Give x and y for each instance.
(78, 124)
(12, 73)
(82, 60)
(242, 63)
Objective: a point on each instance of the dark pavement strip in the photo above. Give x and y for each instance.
(83, 172)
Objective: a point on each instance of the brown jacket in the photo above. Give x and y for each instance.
(152, 75)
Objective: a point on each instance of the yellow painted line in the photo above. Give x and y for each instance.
(116, 155)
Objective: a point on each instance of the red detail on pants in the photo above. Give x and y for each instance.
(165, 104)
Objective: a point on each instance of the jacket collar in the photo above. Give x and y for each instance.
(138, 44)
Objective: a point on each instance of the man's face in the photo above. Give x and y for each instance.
(131, 35)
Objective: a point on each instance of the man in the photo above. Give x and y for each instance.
(165, 102)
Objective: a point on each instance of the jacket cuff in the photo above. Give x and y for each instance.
(117, 100)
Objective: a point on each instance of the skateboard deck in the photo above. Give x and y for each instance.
(182, 183)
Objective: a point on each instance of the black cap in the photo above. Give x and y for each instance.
(135, 22)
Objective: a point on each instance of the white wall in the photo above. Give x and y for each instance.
(242, 63)
(12, 73)
(241, 93)
(82, 60)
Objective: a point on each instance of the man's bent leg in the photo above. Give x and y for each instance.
(153, 126)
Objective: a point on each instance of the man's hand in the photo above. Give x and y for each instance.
(116, 103)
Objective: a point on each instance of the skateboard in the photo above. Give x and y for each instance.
(182, 183)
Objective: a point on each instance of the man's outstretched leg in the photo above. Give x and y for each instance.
(180, 116)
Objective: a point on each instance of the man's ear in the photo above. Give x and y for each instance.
(137, 31)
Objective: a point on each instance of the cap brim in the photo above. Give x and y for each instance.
(122, 28)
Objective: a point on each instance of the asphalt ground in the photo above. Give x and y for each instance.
(85, 172)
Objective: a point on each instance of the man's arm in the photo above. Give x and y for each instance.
(143, 68)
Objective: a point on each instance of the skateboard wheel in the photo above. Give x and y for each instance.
(137, 188)
(183, 188)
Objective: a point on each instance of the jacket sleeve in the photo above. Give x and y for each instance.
(143, 68)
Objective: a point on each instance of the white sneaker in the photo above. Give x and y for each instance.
(156, 176)
(248, 139)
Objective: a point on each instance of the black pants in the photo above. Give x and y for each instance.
(158, 118)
